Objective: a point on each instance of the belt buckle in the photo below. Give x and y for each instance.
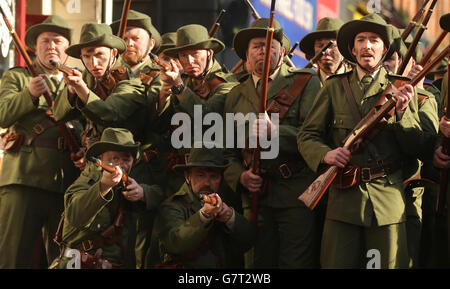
(285, 171)
(61, 143)
(38, 129)
(365, 175)
(91, 245)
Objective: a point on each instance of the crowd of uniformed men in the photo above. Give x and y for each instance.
(159, 206)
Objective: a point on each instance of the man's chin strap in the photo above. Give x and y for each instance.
(207, 68)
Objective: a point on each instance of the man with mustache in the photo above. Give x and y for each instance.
(97, 204)
(366, 205)
(192, 233)
(37, 169)
(286, 228)
(331, 62)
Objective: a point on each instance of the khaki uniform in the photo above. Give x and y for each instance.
(34, 178)
(370, 213)
(285, 226)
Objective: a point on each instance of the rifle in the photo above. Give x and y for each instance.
(412, 47)
(256, 157)
(433, 48)
(215, 27)
(443, 184)
(162, 63)
(109, 168)
(315, 191)
(124, 19)
(61, 67)
(254, 12)
(72, 144)
(319, 54)
(291, 52)
(414, 22)
(208, 199)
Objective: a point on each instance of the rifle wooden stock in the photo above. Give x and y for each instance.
(414, 22)
(71, 143)
(413, 45)
(109, 168)
(167, 66)
(237, 67)
(319, 54)
(311, 196)
(124, 19)
(443, 184)
(433, 48)
(252, 8)
(215, 27)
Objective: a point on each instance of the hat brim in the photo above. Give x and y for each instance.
(445, 22)
(181, 168)
(111, 41)
(243, 37)
(216, 45)
(347, 33)
(100, 147)
(307, 42)
(138, 23)
(34, 31)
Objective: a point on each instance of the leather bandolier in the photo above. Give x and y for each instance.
(103, 88)
(108, 237)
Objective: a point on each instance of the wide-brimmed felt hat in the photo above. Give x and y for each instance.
(258, 28)
(52, 23)
(397, 45)
(94, 34)
(169, 40)
(141, 20)
(114, 139)
(369, 23)
(194, 36)
(204, 157)
(327, 27)
(445, 22)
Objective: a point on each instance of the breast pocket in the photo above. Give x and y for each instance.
(342, 126)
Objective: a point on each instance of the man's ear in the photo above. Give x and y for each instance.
(186, 177)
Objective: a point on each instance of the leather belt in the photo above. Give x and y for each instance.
(289, 168)
(57, 143)
(378, 171)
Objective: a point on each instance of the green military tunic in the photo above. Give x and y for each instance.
(280, 206)
(374, 204)
(34, 178)
(189, 241)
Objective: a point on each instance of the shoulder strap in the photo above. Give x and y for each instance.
(285, 98)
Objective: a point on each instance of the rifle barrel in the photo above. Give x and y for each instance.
(414, 21)
(167, 66)
(124, 18)
(319, 54)
(433, 48)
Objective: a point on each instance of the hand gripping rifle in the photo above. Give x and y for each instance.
(319, 54)
(315, 191)
(207, 199)
(443, 185)
(72, 144)
(415, 21)
(413, 45)
(256, 157)
(124, 19)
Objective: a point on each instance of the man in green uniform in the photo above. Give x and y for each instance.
(204, 83)
(36, 173)
(285, 237)
(370, 212)
(429, 121)
(332, 61)
(440, 159)
(97, 204)
(193, 234)
(141, 38)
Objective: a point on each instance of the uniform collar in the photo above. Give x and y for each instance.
(273, 76)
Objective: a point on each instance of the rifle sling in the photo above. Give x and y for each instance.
(357, 116)
(285, 98)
